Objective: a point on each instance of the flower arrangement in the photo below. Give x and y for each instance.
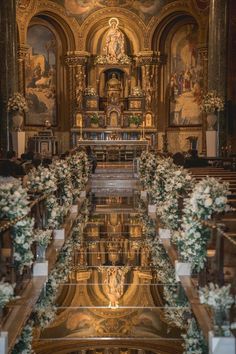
(137, 92)
(134, 119)
(212, 103)
(220, 301)
(13, 201)
(175, 183)
(17, 102)
(209, 196)
(56, 212)
(80, 170)
(194, 342)
(60, 170)
(22, 240)
(67, 194)
(42, 180)
(6, 293)
(94, 119)
(147, 169)
(43, 237)
(90, 91)
(104, 59)
(216, 297)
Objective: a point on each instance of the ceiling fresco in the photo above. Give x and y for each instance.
(145, 9)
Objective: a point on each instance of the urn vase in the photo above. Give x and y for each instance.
(211, 121)
(17, 120)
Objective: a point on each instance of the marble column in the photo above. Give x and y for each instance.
(8, 66)
(217, 56)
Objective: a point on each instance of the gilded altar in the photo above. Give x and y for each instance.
(116, 89)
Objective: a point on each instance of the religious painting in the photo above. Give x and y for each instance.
(186, 79)
(143, 8)
(40, 76)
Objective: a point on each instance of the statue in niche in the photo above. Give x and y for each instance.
(114, 48)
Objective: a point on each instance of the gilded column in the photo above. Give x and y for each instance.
(8, 66)
(22, 53)
(217, 57)
(203, 58)
(76, 62)
(150, 65)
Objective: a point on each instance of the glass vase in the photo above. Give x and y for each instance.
(40, 253)
(221, 321)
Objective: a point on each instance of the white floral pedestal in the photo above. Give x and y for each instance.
(143, 195)
(182, 269)
(74, 209)
(164, 234)
(211, 143)
(3, 342)
(152, 210)
(18, 141)
(59, 234)
(40, 269)
(221, 345)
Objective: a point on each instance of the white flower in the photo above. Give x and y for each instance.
(208, 202)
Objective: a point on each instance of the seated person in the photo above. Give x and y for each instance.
(10, 167)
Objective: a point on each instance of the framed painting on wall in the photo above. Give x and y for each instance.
(186, 79)
(40, 76)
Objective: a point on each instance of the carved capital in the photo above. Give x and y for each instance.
(76, 58)
(148, 58)
(22, 51)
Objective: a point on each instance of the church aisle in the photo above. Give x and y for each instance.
(113, 301)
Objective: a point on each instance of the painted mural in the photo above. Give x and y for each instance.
(186, 80)
(143, 8)
(41, 76)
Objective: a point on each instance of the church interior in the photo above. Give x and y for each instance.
(117, 177)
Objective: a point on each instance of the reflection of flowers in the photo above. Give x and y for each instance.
(24, 343)
(194, 342)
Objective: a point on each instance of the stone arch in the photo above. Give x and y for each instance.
(54, 14)
(172, 13)
(96, 25)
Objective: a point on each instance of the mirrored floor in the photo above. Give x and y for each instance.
(112, 292)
